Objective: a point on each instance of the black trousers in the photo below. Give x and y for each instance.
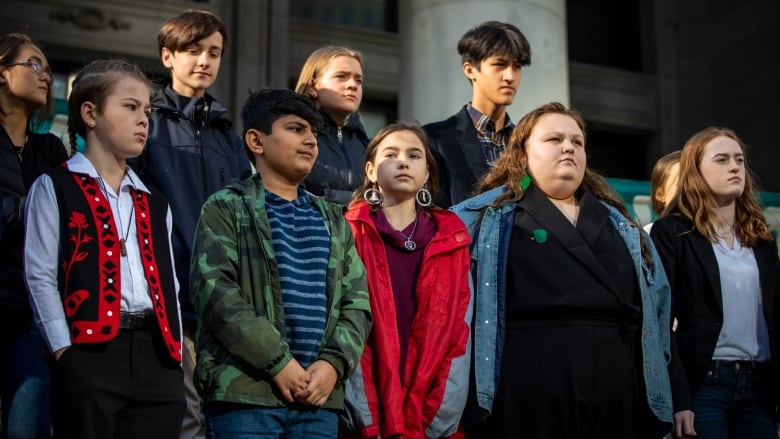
(128, 388)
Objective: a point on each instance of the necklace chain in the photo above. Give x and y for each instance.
(20, 149)
(409, 244)
(122, 239)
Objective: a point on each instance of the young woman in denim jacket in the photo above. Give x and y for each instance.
(571, 327)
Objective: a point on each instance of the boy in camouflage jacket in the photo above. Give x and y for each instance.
(252, 372)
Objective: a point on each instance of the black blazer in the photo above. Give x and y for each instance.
(692, 269)
(458, 155)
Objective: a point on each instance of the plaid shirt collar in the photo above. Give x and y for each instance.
(493, 142)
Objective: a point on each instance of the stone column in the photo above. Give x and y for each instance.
(432, 85)
(257, 54)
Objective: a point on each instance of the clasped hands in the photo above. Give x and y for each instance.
(310, 386)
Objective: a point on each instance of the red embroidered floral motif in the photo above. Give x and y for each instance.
(78, 221)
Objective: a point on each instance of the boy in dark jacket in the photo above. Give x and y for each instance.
(191, 153)
(279, 288)
(466, 144)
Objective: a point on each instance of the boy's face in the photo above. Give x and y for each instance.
(121, 126)
(495, 82)
(286, 154)
(194, 68)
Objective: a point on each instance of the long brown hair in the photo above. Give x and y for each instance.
(433, 172)
(10, 45)
(510, 169)
(696, 202)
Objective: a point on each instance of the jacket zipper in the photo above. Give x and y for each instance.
(344, 151)
(203, 176)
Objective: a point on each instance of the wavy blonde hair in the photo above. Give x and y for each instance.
(696, 202)
(510, 169)
(317, 63)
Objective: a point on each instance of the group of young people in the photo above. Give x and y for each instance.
(331, 294)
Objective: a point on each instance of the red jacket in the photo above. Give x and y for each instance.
(431, 401)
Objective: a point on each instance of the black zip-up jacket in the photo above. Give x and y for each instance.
(42, 153)
(190, 153)
(341, 163)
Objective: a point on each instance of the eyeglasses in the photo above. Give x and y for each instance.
(35, 65)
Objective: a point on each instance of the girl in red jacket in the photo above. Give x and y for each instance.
(412, 381)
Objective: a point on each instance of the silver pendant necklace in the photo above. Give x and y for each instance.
(409, 244)
(20, 149)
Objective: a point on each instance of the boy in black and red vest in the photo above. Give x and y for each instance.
(99, 268)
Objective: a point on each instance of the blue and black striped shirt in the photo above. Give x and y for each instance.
(301, 244)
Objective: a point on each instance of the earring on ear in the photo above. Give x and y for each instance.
(372, 196)
(423, 197)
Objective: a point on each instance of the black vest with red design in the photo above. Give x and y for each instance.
(89, 271)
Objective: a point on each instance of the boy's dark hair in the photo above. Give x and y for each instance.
(494, 38)
(262, 108)
(188, 28)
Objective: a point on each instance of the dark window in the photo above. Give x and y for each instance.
(616, 153)
(606, 33)
(375, 14)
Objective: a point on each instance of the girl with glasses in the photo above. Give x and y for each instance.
(25, 87)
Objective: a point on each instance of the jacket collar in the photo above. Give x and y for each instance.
(468, 142)
(702, 248)
(353, 124)
(165, 101)
(448, 228)
(80, 164)
(576, 241)
(485, 199)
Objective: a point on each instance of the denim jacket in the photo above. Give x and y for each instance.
(490, 228)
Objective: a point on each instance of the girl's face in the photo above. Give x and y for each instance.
(399, 167)
(121, 125)
(723, 168)
(23, 81)
(556, 155)
(339, 89)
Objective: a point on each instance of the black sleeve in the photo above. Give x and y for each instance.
(443, 198)
(665, 236)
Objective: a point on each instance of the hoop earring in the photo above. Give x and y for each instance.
(423, 197)
(372, 196)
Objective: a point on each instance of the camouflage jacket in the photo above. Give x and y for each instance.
(236, 293)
